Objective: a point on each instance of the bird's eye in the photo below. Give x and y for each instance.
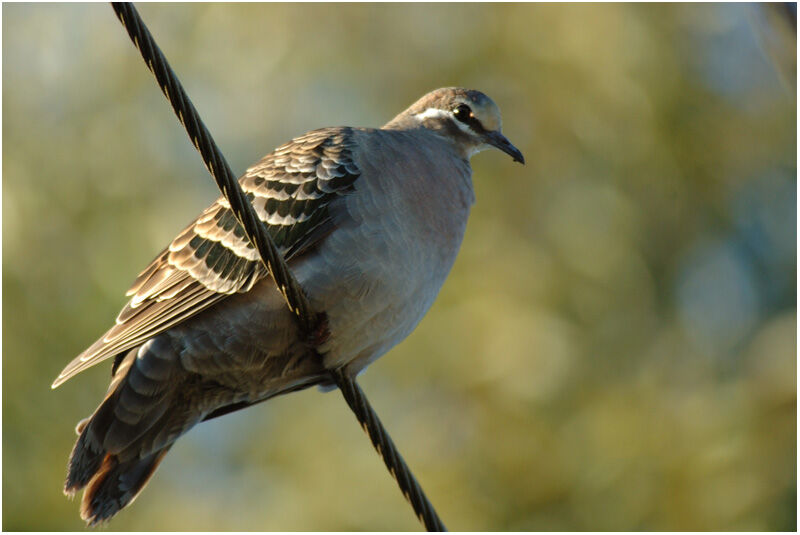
(462, 113)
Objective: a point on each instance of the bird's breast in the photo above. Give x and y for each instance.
(379, 272)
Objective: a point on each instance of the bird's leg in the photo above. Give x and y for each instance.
(320, 333)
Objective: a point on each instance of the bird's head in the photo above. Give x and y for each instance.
(467, 117)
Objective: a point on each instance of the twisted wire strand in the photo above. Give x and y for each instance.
(216, 164)
(384, 445)
(274, 262)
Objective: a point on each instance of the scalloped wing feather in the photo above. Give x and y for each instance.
(290, 189)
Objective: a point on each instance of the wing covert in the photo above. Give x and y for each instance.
(291, 190)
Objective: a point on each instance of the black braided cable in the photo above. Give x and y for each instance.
(384, 445)
(216, 164)
(274, 262)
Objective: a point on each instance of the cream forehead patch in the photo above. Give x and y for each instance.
(487, 112)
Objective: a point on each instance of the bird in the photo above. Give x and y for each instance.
(369, 220)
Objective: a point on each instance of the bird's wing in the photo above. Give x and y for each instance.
(290, 189)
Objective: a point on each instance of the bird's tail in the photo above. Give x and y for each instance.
(111, 481)
(121, 445)
(116, 484)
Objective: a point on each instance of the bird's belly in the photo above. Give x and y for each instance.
(396, 238)
(375, 294)
(364, 329)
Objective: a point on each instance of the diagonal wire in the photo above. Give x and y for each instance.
(256, 232)
(383, 444)
(216, 164)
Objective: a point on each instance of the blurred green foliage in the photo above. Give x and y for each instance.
(615, 348)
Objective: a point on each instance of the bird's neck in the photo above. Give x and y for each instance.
(448, 133)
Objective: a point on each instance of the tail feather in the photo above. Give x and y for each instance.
(116, 452)
(112, 480)
(155, 396)
(88, 452)
(84, 462)
(116, 484)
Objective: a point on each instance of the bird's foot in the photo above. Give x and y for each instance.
(320, 334)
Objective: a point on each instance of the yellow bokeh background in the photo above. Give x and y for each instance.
(615, 348)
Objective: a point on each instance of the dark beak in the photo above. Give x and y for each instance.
(496, 139)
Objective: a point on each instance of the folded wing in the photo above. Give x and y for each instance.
(291, 190)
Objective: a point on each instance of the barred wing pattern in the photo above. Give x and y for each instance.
(290, 189)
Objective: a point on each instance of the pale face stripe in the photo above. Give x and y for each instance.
(436, 113)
